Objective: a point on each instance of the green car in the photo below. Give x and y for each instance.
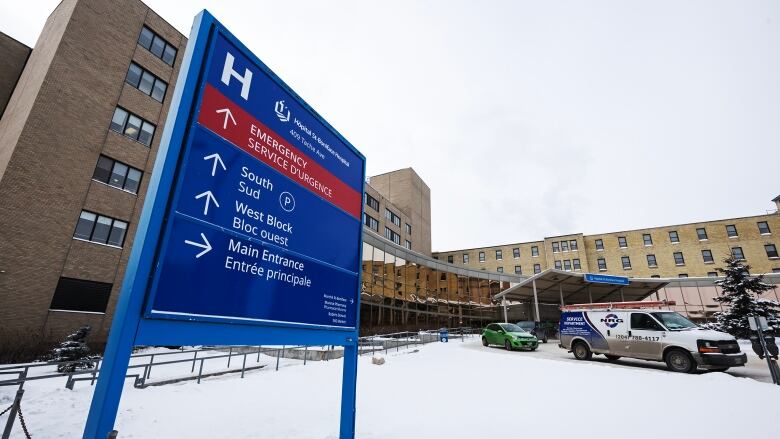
(508, 335)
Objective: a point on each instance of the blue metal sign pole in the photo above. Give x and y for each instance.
(251, 232)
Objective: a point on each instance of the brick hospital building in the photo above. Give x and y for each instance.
(82, 113)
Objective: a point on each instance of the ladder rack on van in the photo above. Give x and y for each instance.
(619, 305)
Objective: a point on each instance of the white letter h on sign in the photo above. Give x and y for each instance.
(245, 80)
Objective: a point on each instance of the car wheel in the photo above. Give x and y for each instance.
(581, 351)
(612, 357)
(533, 349)
(507, 345)
(677, 360)
(484, 341)
(544, 340)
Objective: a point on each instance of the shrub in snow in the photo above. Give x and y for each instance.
(75, 351)
(378, 360)
(741, 294)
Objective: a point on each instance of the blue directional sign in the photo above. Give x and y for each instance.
(606, 279)
(251, 229)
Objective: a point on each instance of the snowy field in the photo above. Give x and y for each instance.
(454, 390)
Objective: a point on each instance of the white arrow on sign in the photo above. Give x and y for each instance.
(206, 246)
(229, 115)
(217, 160)
(209, 197)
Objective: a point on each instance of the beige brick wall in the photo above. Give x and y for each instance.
(749, 239)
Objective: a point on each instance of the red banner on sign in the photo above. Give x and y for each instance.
(229, 121)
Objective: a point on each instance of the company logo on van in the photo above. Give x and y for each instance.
(611, 320)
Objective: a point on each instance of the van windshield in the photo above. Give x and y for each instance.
(674, 321)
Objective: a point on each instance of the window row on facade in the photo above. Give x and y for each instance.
(498, 254)
(674, 237)
(146, 82)
(132, 126)
(101, 229)
(154, 43)
(564, 246)
(679, 258)
(117, 174)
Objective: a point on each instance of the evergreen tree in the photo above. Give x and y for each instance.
(75, 351)
(741, 294)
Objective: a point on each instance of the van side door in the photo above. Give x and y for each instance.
(614, 325)
(646, 336)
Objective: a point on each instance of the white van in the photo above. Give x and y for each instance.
(648, 334)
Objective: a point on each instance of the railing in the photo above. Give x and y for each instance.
(141, 370)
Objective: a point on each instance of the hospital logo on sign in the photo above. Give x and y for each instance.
(282, 112)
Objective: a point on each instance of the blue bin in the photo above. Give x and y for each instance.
(444, 335)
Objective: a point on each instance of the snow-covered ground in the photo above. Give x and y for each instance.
(454, 390)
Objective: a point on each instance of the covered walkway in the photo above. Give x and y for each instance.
(564, 287)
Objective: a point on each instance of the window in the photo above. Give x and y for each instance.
(558, 265)
(776, 270)
(712, 274)
(706, 255)
(736, 252)
(555, 247)
(576, 263)
(643, 321)
(518, 269)
(117, 174)
(465, 258)
(673, 238)
(626, 262)
(80, 295)
(682, 275)
(371, 222)
(481, 256)
(655, 276)
(395, 219)
(450, 259)
(602, 264)
(372, 202)
(499, 255)
(771, 250)
(534, 251)
(573, 244)
(763, 228)
(651, 262)
(537, 268)
(567, 265)
(101, 229)
(648, 240)
(145, 81)
(408, 228)
(622, 242)
(565, 246)
(132, 126)
(392, 236)
(500, 269)
(516, 253)
(702, 234)
(408, 244)
(731, 231)
(599, 244)
(678, 258)
(155, 44)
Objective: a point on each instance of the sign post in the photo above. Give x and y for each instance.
(251, 232)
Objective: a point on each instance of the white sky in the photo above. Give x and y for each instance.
(531, 119)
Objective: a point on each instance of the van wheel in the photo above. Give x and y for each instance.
(507, 345)
(484, 341)
(582, 351)
(612, 357)
(677, 360)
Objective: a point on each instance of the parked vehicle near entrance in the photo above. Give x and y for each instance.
(508, 335)
(648, 334)
(535, 328)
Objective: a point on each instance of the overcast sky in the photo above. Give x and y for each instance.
(531, 119)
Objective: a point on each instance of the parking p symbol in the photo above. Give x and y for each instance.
(287, 201)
